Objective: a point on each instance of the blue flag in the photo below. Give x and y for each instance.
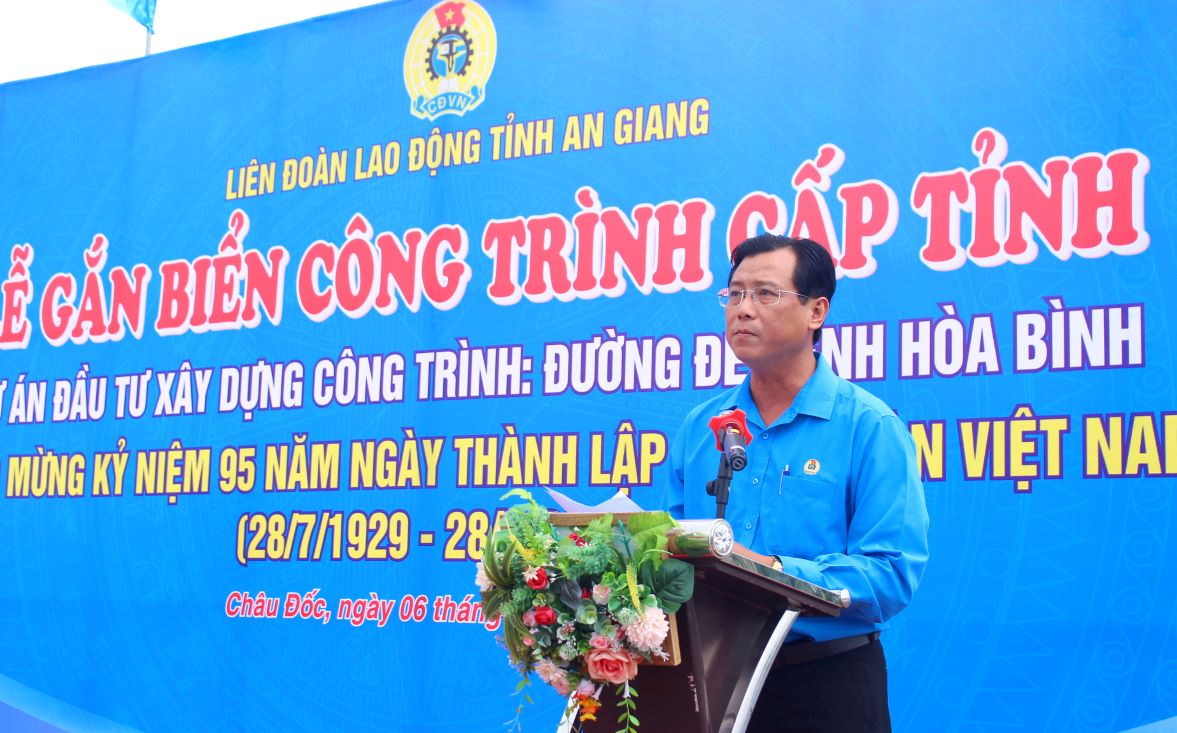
(141, 10)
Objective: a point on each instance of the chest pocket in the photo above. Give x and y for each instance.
(807, 519)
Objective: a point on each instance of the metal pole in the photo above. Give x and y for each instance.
(763, 667)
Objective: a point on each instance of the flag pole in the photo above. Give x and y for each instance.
(147, 52)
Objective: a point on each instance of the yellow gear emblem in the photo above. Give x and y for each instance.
(449, 58)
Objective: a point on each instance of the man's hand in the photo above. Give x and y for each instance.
(768, 560)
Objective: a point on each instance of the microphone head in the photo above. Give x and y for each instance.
(735, 420)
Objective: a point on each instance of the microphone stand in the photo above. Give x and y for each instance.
(720, 486)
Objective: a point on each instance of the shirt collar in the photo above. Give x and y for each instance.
(816, 397)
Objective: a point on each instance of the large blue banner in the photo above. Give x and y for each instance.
(285, 317)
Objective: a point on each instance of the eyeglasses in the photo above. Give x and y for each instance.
(760, 296)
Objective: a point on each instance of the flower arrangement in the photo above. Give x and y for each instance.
(581, 607)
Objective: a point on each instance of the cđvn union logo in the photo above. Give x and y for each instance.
(449, 59)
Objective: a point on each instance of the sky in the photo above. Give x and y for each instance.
(42, 37)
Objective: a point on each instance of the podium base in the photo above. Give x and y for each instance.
(716, 687)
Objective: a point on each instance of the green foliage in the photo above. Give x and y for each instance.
(600, 529)
(627, 704)
(496, 561)
(516, 723)
(568, 592)
(673, 583)
(626, 561)
(513, 633)
(586, 560)
(648, 536)
(493, 600)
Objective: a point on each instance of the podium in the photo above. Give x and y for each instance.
(728, 636)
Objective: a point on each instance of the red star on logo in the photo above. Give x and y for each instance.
(450, 14)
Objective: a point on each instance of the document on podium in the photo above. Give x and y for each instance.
(619, 503)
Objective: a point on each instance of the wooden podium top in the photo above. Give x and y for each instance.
(740, 574)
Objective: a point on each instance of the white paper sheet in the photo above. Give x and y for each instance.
(619, 503)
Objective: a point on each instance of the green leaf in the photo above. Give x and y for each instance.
(587, 613)
(496, 563)
(523, 494)
(674, 581)
(648, 531)
(493, 600)
(568, 593)
(513, 633)
(600, 525)
(646, 577)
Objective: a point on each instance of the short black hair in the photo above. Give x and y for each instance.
(814, 276)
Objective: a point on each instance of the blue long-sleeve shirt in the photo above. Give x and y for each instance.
(831, 487)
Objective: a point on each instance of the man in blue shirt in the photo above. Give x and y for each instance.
(831, 492)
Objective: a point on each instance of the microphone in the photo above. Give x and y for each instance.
(731, 436)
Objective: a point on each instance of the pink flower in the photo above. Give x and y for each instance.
(538, 580)
(529, 618)
(529, 640)
(611, 665)
(586, 688)
(600, 642)
(548, 670)
(600, 594)
(553, 674)
(649, 631)
(562, 686)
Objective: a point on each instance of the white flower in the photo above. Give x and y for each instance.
(482, 579)
(649, 631)
(530, 573)
(626, 616)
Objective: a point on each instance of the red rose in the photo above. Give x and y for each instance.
(611, 665)
(539, 581)
(544, 615)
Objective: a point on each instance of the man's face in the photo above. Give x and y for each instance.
(765, 336)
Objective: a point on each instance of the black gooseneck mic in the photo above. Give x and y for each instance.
(731, 438)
